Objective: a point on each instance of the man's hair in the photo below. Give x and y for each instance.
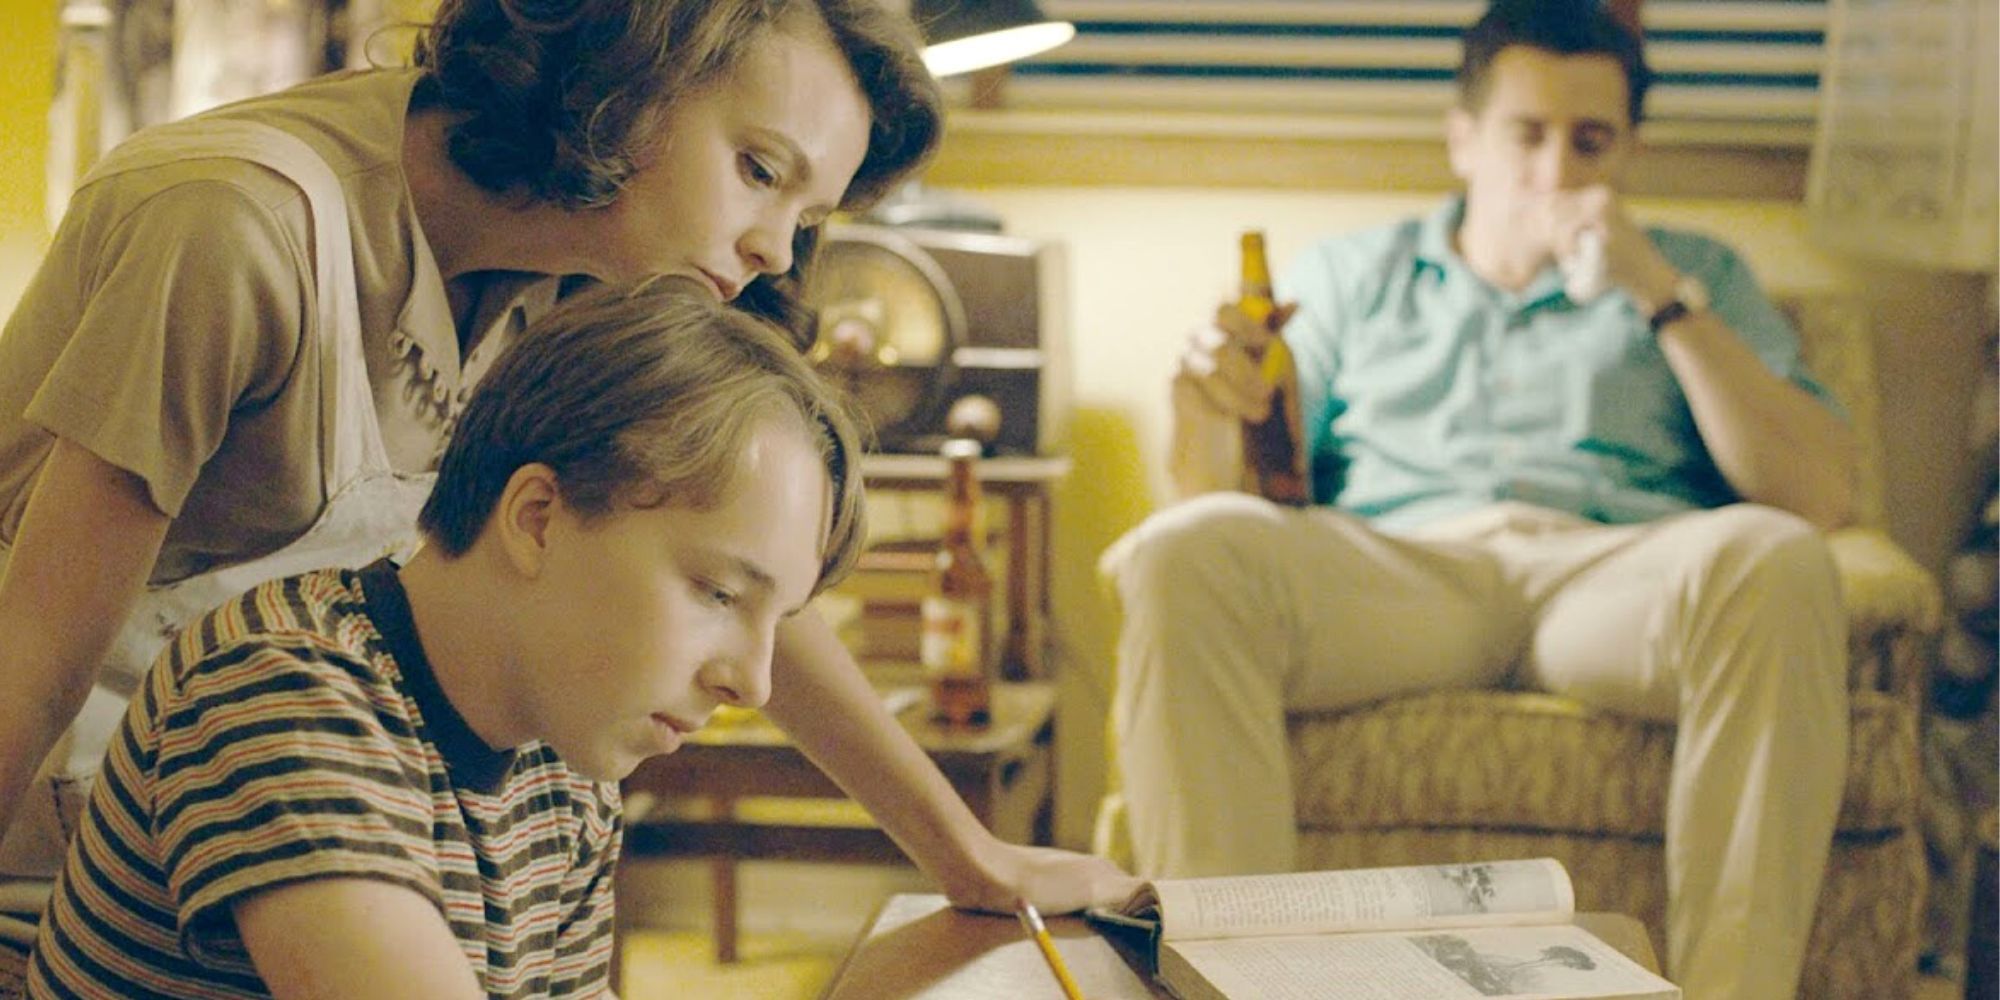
(641, 396)
(1563, 27)
(561, 99)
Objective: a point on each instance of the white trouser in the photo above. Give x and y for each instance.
(1727, 621)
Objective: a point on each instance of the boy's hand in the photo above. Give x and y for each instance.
(1056, 881)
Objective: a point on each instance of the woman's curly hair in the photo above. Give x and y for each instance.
(560, 100)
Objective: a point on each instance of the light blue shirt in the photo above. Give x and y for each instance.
(1427, 392)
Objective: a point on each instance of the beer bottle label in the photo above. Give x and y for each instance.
(951, 641)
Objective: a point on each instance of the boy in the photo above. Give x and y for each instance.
(387, 783)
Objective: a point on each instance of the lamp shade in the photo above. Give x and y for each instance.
(968, 35)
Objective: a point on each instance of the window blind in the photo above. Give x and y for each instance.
(1750, 69)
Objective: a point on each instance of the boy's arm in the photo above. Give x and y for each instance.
(352, 937)
(823, 702)
(293, 824)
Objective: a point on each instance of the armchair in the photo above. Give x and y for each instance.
(1467, 775)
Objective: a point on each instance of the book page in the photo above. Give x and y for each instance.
(1528, 963)
(1462, 895)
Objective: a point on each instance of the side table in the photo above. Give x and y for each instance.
(684, 804)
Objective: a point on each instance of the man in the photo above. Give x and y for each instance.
(1616, 499)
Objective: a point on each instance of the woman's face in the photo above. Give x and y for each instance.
(741, 166)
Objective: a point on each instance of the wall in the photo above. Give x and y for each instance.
(27, 50)
(1149, 262)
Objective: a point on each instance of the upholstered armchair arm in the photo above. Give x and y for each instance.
(1893, 609)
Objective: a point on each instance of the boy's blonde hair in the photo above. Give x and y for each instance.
(641, 396)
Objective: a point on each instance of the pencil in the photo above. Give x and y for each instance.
(1032, 920)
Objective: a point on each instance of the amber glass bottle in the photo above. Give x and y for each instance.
(1271, 445)
(957, 612)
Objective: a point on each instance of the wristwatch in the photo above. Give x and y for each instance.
(1690, 296)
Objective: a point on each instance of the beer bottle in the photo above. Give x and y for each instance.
(1271, 445)
(956, 613)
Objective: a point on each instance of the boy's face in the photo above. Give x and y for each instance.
(648, 619)
(1550, 124)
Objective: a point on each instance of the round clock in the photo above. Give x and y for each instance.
(889, 324)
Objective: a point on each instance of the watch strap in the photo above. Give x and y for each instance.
(1671, 312)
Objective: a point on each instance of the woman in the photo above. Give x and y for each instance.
(254, 330)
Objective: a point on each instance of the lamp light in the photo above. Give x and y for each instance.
(968, 35)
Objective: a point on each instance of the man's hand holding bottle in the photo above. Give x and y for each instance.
(1231, 374)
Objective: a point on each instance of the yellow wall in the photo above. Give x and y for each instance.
(1148, 263)
(27, 50)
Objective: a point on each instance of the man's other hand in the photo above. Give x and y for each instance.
(1631, 261)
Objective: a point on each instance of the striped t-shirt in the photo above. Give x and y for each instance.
(298, 732)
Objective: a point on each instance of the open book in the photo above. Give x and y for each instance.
(1490, 929)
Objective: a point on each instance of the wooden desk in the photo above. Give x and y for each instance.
(1003, 773)
(917, 947)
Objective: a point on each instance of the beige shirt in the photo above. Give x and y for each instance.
(164, 330)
